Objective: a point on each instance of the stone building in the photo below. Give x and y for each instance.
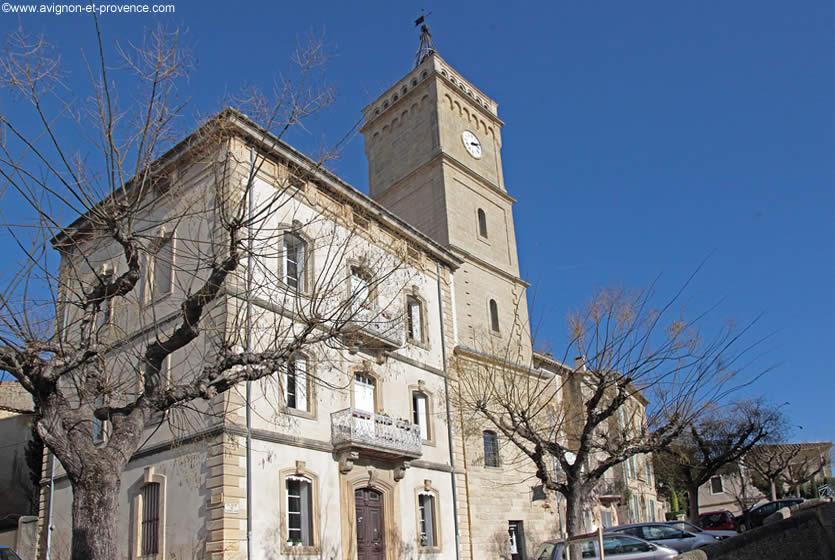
(376, 463)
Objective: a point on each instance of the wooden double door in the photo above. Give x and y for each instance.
(371, 540)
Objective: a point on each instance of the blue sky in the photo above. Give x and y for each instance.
(641, 138)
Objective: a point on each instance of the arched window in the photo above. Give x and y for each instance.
(494, 316)
(296, 384)
(414, 319)
(299, 511)
(491, 449)
(293, 261)
(420, 413)
(482, 223)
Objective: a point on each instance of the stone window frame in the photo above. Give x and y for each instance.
(149, 476)
(149, 297)
(312, 410)
(295, 229)
(494, 323)
(414, 293)
(427, 489)
(300, 470)
(371, 301)
(498, 464)
(430, 412)
(366, 369)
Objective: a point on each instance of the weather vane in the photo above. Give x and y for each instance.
(425, 48)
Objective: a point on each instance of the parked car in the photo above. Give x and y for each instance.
(687, 526)
(722, 520)
(622, 547)
(664, 535)
(754, 517)
(7, 553)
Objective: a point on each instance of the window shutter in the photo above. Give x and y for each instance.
(301, 384)
(306, 513)
(415, 320)
(421, 412)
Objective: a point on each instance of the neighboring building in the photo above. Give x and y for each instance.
(17, 487)
(734, 490)
(375, 464)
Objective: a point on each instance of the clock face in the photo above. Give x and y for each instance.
(472, 143)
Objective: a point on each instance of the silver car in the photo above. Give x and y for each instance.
(663, 534)
(619, 547)
(689, 527)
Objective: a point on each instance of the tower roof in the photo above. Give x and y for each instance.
(425, 47)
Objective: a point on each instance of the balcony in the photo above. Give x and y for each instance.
(610, 490)
(356, 432)
(375, 328)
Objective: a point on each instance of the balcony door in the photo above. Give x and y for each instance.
(364, 389)
(371, 541)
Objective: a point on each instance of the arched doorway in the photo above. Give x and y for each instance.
(371, 540)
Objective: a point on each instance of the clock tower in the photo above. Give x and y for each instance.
(433, 142)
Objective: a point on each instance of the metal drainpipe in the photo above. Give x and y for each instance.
(448, 415)
(49, 513)
(248, 342)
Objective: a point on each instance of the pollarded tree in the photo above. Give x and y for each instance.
(165, 251)
(644, 375)
(768, 463)
(715, 442)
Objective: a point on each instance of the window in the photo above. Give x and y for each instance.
(420, 413)
(296, 384)
(494, 316)
(162, 278)
(360, 291)
(414, 319)
(716, 486)
(491, 449)
(294, 257)
(615, 545)
(482, 223)
(150, 519)
(98, 428)
(299, 511)
(427, 527)
(606, 518)
(364, 392)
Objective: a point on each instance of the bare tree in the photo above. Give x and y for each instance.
(769, 463)
(643, 375)
(808, 466)
(98, 315)
(711, 445)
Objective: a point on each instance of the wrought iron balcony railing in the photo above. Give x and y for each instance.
(379, 434)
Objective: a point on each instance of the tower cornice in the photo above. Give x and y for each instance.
(432, 66)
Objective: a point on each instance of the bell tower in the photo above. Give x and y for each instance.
(433, 143)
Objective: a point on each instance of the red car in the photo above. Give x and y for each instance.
(717, 520)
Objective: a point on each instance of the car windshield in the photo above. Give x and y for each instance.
(685, 526)
(615, 545)
(661, 532)
(714, 519)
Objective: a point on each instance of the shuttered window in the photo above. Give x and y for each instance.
(420, 413)
(296, 384)
(426, 517)
(414, 319)
(299, 511)
(150, 518)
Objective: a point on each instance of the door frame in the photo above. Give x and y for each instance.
(383, 482)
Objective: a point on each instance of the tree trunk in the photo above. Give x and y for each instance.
(693, 504)
(575, 521)
(773, 489)
(95, 504)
